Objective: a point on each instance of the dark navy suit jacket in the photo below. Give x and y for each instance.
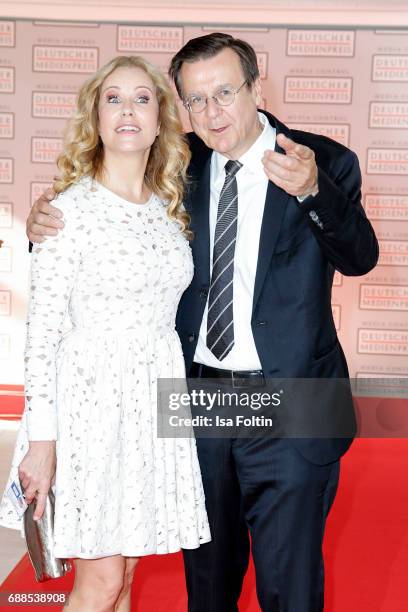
(301, 245)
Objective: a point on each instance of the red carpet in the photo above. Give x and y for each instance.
(11, 402)
(366, 546)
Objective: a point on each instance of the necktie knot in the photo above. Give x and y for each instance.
(231, 167)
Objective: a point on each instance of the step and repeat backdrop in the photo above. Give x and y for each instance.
(351, 85)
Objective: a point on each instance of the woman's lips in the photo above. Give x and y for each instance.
(127, 128)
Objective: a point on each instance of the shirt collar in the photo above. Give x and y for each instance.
(251, 159)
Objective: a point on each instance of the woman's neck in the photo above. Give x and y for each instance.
(125, 176)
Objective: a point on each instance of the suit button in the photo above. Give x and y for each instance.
(262, 323)
(191, 337)
(203, 292)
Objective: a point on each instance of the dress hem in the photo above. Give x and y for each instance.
(144, 553)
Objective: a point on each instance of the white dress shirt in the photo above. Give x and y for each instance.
(252, 184)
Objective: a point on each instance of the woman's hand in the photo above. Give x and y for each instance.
(36, 472)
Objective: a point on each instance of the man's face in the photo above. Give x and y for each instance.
(229, 130)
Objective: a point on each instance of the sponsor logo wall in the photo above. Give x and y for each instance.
(350, 85)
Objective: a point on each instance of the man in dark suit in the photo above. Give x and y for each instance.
(274, 212)
(292, 231)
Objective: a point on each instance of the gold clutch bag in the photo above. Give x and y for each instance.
(39, 538)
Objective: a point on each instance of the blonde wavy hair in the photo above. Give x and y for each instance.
(166, 171)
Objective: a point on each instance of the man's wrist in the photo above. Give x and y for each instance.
(312, 193)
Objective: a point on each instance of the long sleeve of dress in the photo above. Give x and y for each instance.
(54, 266)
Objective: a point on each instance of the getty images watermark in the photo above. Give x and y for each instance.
(297, 408)
(220, 403)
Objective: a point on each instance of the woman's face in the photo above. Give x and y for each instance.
(128, 112)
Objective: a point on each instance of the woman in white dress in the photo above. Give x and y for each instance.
(118, 269)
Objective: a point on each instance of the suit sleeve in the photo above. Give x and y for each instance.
(337, 217)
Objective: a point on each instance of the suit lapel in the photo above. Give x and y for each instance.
(200, 204)
(275, 206)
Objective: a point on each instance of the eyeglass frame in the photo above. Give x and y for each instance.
(234, 92)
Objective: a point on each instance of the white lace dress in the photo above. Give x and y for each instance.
(120, 270)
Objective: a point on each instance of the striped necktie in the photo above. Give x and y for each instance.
(220, 322)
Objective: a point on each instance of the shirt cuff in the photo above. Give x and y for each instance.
(302, 198)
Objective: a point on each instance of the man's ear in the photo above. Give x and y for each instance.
(257, 91)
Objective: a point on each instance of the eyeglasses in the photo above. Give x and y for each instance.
(223, 97)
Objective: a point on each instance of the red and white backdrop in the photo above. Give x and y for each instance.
(348, 83)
